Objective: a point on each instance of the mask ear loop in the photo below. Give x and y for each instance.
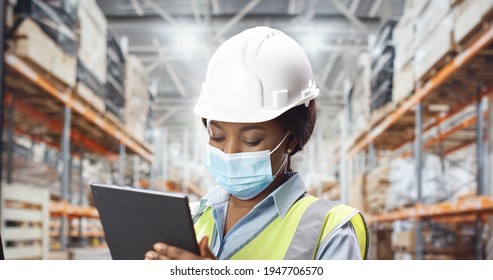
(287, 155)
(279, 145)
(282, 165)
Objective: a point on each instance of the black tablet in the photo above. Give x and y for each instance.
(134, 219)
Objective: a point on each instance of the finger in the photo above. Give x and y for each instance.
(204, 249)
(152, 255)
(174, 253)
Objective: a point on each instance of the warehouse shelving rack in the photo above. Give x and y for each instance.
(463, 82)
(36, 102)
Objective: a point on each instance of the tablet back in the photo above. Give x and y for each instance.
(2, 257)
(134, 219)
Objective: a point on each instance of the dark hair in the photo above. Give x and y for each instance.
(300, 120)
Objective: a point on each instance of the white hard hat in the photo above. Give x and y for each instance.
(256, 76)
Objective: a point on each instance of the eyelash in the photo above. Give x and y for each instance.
(250, 144)
(217, 139)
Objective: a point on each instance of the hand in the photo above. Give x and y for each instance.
(166, 252)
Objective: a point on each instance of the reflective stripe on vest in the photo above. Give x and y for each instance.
(298, 235)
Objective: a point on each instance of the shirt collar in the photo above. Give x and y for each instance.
(283, 197)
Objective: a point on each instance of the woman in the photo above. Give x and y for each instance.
(257, 103)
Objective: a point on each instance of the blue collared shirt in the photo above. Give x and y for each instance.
(342, 244)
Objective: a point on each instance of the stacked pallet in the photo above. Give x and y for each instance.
(403, 240)
(9, 13)
(114, 93)
(469, 17)
(449, 241)
(382, 66)
(441, 240)
(356, 192)
(25, 222)
(331, 190)
(377, 183)
(428, 35)
(359, 96)
(405, 48)
(381, 248)
(91, 54)
(403, 189)
(43, 36)
(434, 36)
(137, 98)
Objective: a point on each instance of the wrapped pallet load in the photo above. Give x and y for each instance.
(382, 55)
(359, 96)
(114, 92)
(136, 98)
(91, 66)
(469, 16)
(403, 190)
(434, 26)
(43, 36)
(405, 48)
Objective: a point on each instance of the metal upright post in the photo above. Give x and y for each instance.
(136, 175)
(344, 164)
(480, 166)
(67, 114)
(372, 157)
(480, 144)
(3, 32)
(186, 158)
(121, 165)
(418, 154)
(81, 173)
(81, 190)
(489, 178)
(10, 138)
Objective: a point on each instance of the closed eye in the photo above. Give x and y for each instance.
(251, 143)
(217, 139)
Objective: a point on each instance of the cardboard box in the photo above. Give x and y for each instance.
(136, 98)
(356, 193)
(91, 98)
(404, 240)
(404, 41)
(469, 14)
(428, 21)
(92, 42)
(360, 97)
(37, 48)
(433, 51)
(404, 82)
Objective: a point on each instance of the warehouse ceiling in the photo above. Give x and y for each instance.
(175, 39)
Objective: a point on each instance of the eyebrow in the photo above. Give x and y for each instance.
(242, 129)
(251, 127)
(213, 123)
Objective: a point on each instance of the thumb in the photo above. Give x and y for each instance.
(204, 249)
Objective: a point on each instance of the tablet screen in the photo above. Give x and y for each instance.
(134, 219)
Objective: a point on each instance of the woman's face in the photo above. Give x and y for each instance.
(250, 137)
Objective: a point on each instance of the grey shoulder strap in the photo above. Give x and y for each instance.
(307, 234)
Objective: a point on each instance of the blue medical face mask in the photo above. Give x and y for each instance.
(243, 175)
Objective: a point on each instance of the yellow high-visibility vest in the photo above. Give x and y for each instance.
(298, 235)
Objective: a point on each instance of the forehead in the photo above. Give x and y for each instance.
(271, 126)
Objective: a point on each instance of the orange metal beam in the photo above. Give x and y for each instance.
(446, 72)
(458, 110)
(75, 136)
(24, 69)
(63, 208)
(479, 204)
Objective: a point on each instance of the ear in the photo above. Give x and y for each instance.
(291, 144)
